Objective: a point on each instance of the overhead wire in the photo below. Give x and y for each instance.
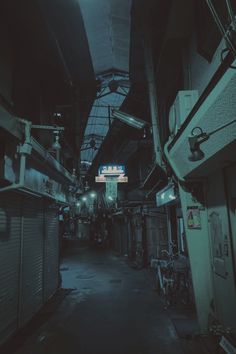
(225, 33)
(231, 13)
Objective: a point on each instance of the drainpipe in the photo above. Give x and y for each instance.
(172, 163)
(23, 150)
(150, 75)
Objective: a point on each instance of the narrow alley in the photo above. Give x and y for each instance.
(117, 177)
(112, 308)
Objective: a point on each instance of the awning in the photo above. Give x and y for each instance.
(155, 180)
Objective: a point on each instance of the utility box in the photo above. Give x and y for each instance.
(182, 106)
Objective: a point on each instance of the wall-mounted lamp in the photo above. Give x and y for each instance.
(56, 130)
(56, 145)
(198, 137)
(194, 143)
(129, 119)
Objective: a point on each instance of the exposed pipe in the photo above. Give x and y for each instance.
(225, 34)
(171, 163)
(152, 100)
(231, 14)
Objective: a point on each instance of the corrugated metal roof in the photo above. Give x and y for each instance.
(107, 24)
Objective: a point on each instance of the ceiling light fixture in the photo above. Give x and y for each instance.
(129, 119)
(56, 145)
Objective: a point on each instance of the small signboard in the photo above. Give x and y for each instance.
(166, 195)
(111, 173)
(111, 170)
(103, 179)
(193, 218)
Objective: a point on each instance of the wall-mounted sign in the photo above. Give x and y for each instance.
(111, 173)
(166, 195)
(104, 179)
(193, 218)
(111, 170)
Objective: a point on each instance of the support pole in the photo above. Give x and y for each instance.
(150, 75)
(109, 116)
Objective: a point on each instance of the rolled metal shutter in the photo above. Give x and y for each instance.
(157, 239)
(31, 297)
(51, 255)
(152, 237)
(10, 241)
(124, 236)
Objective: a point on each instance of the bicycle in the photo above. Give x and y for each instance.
(165, 275)
(172, 275)
(182, 283)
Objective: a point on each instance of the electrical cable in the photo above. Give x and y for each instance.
(220, 26)
(231, 13)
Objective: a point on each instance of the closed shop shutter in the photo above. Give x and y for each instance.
(116, 236)
(124, 237)
(51, 249)
(137, 242)
(31, 298)
(157, 239)
(119, 236)
(10, 240)
(152, 237)
(138, 230)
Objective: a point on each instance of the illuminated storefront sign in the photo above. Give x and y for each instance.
(111, 170)
(109, 173)
(166, 195)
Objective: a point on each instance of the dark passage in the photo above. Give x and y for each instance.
(112, 309)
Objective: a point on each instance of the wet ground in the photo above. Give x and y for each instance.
(112, 309)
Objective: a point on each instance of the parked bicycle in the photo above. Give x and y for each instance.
(182, 280)
(172, 278)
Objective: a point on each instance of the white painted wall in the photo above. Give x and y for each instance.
(199, 255)
(208, 283)
(224, 286)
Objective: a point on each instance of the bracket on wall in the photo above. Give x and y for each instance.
(196, 188)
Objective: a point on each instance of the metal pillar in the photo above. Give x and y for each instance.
(149, 68)
(77, 128)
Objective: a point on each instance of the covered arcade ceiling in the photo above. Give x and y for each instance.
(107, 25)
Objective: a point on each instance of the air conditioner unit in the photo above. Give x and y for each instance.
(182, 106)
